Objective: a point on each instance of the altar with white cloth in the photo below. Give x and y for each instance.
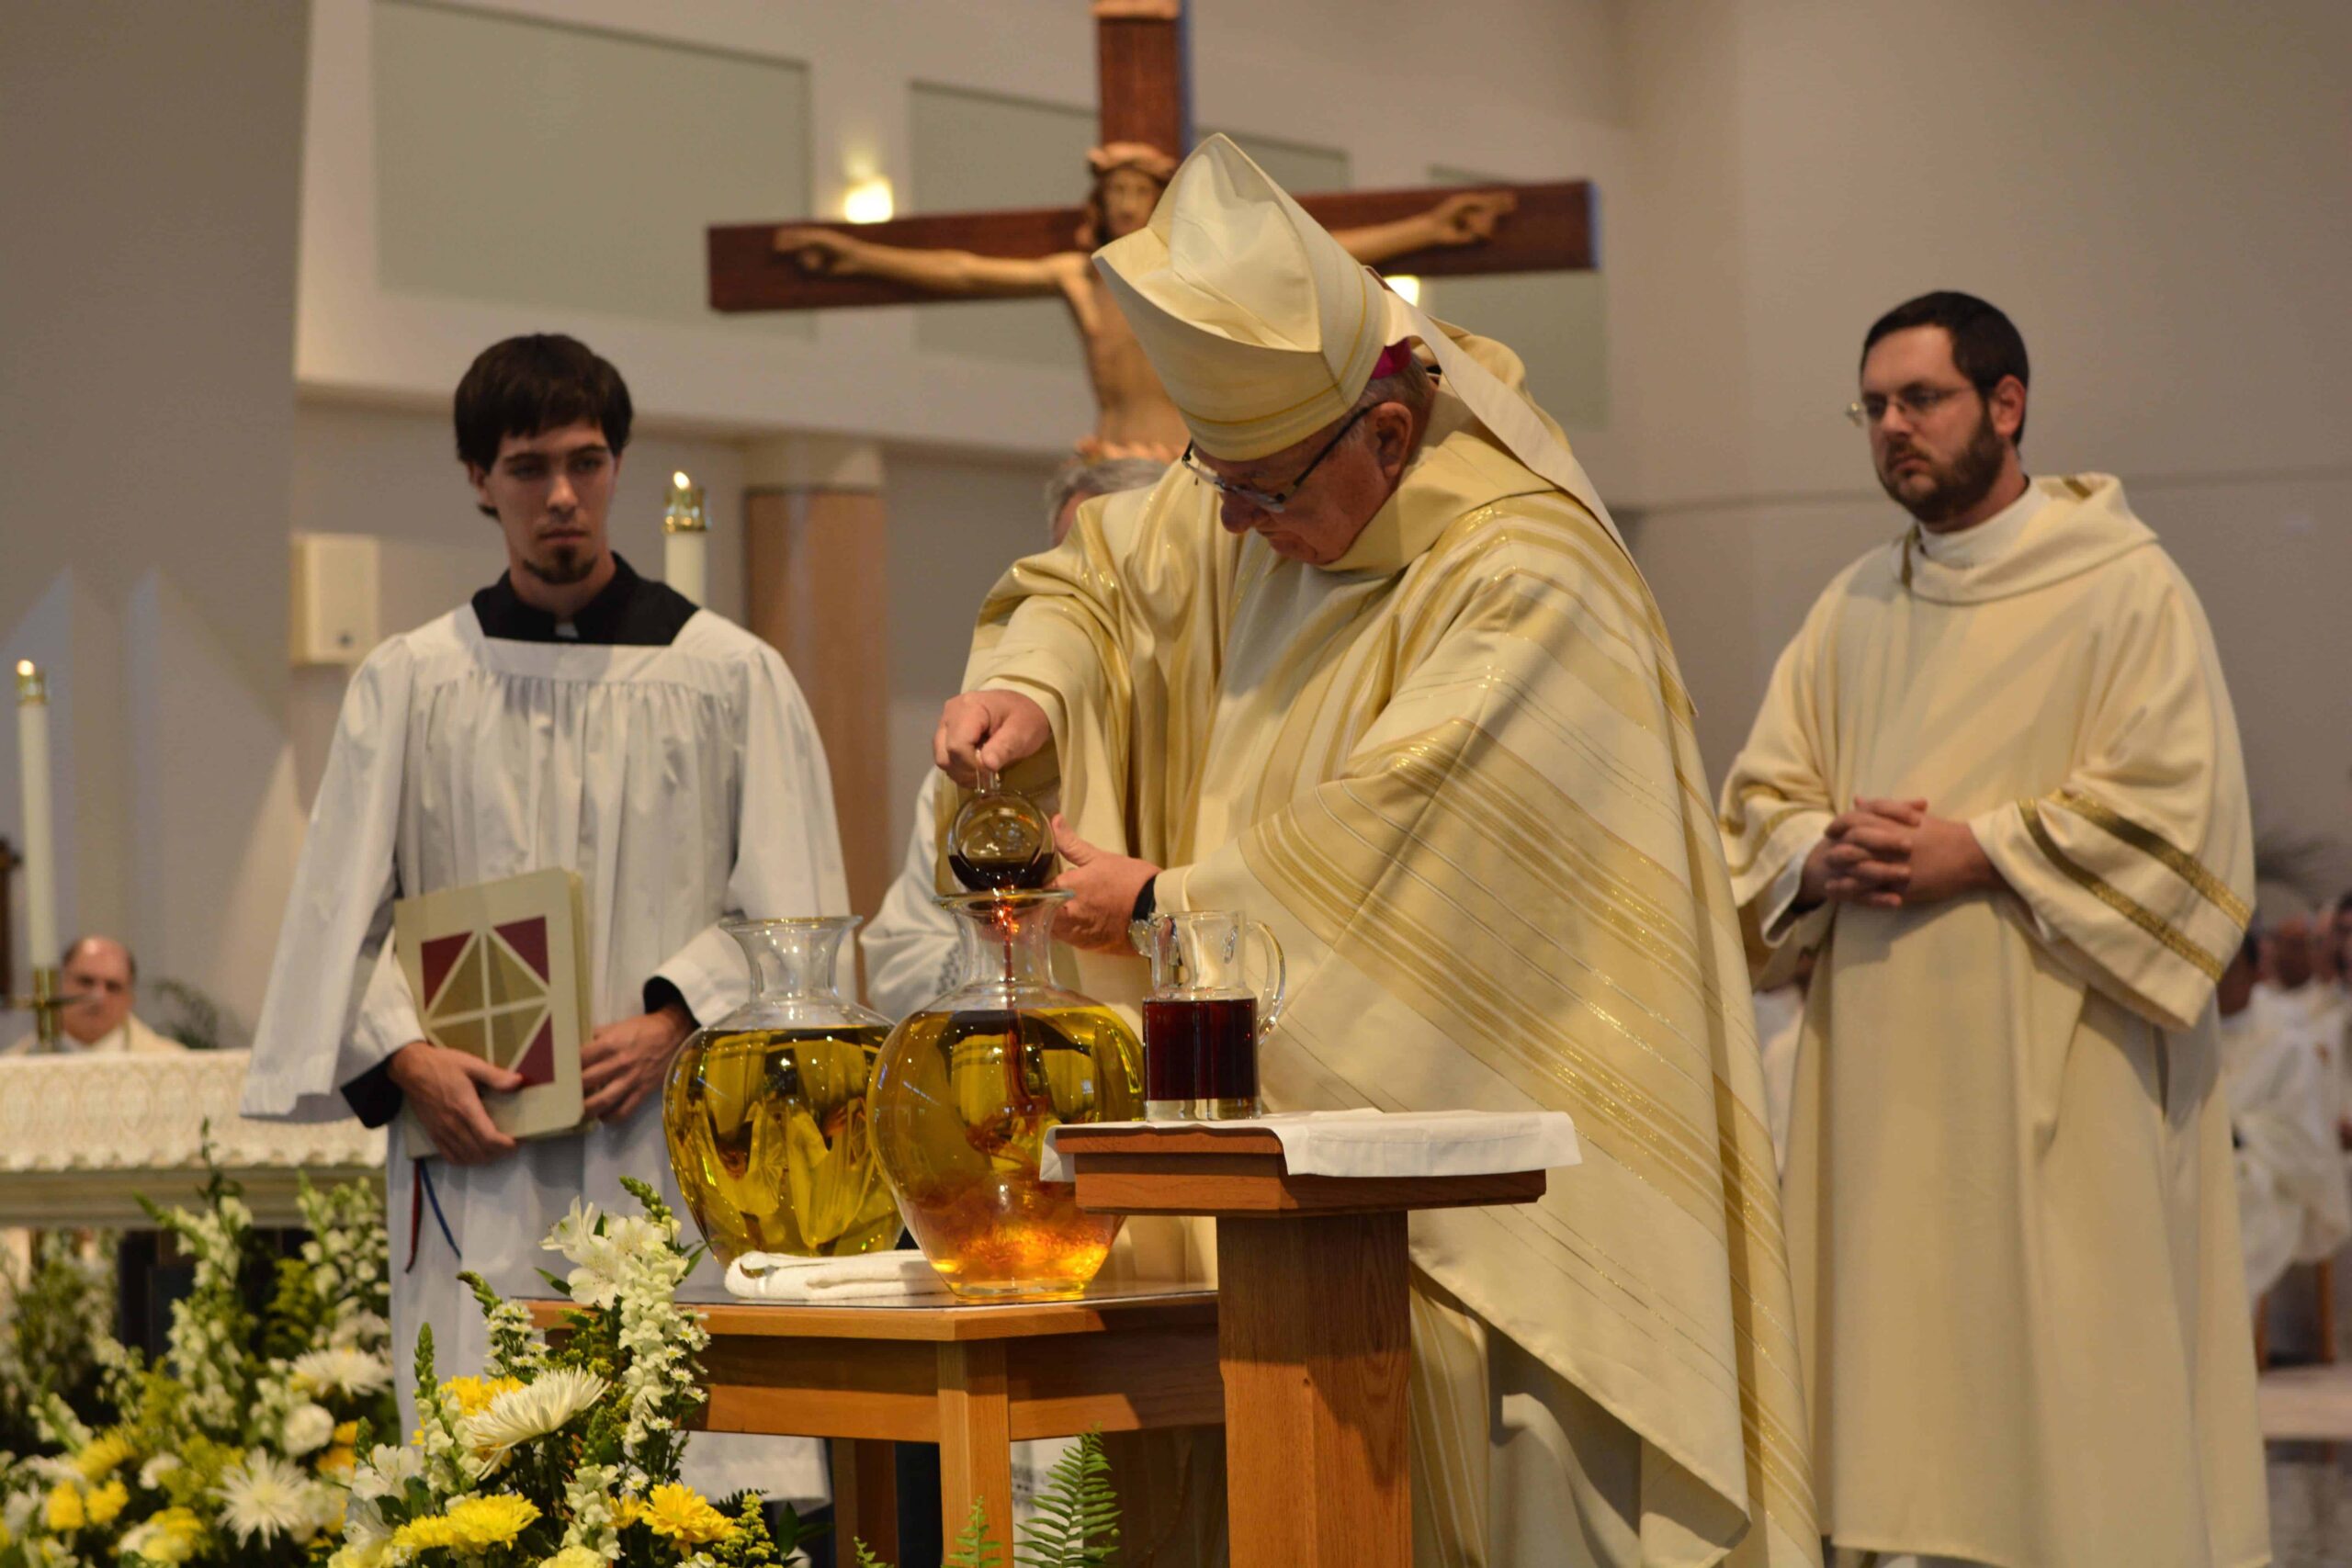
(84, 1138)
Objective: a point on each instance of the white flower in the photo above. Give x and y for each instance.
(538, 1407)
(151, 1474)
(386, 1472)
(359, 1326)
(341, 1370)
(266, 1497)
(307, 1428)
(575, 1232)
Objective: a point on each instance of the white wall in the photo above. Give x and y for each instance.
(146, 411)
(1331, 75)
(2159, 194)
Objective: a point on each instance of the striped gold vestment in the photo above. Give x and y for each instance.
(1455, 771)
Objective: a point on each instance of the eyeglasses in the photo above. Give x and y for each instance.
(1913, 403)
(1277, 500)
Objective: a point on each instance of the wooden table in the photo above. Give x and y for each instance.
(1314, 1337)
(973, 1379)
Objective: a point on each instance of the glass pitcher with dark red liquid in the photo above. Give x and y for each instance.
(1204, 1016)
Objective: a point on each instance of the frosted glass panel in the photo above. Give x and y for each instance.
(979, 152)
(1299, 167)
(538, 165)
(1554, 320)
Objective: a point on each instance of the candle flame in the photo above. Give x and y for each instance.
(679, 478)
(24, 667)
(868, 201)
(1406, 288)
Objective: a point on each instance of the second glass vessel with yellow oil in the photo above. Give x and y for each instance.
(969, 1086)
(765, 1110)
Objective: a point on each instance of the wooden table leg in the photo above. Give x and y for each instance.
(865, 1498)
(975, 1439)
(1314, 1339)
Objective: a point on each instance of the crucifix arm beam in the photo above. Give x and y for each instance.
(1553, 228)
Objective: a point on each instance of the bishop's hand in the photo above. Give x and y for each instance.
(1103, 888)
(989, 730)
(443, 1088)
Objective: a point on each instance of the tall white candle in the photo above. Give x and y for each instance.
(41, 845)
(686, 540)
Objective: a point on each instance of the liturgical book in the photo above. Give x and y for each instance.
(500, 970)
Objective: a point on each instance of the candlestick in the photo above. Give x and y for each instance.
(685, 538)
(41, 845)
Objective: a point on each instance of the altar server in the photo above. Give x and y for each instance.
(1995, 786)
(573, 714)
(1372, 665)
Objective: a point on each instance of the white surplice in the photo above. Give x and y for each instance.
(684, 783)
(911, 950)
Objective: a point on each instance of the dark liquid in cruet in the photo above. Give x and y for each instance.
(1002, 876)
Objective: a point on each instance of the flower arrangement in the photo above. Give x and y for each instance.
(564, 1452)
(234, 1447)
(250, 1443)
(52, 1312)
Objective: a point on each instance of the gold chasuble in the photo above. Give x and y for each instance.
(2009, 1188)
(1455, 771)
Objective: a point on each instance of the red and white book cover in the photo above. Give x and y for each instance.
(500, 971)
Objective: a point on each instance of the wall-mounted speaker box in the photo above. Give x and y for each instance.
(334, 584)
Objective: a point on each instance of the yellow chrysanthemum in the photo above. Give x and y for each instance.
(63, 1513)
(684, 1515)
(470, 1525)
(472, 1395)
(103, 1504)
(340, 1460)
(99, 1460)
(347, 1434)
(168, 1538)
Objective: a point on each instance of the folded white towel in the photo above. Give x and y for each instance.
(818, 1282)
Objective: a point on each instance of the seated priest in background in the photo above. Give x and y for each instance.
(571, 715)
(2294, 1205)
(2301, 996)
(1372, 665)
(99, 979)
(1995, 786)
(910, 944)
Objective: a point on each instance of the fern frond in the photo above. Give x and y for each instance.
(975, 1546)
(1077, 1513)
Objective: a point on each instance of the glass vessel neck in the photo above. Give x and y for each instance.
(797, 957)
(1008, 938)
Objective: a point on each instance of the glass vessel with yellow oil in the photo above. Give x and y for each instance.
(765, 1110)
(968, 1087)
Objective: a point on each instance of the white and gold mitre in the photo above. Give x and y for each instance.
(1264, 330)
(1263, 327)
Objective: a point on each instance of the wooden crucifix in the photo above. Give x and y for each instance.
(1146, 112)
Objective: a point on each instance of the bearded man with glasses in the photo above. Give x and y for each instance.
(1372, 665)
(1996, 787)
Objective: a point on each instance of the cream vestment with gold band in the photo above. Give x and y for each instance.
(2011, 1217)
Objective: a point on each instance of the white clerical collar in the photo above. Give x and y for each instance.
(1988, 541)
